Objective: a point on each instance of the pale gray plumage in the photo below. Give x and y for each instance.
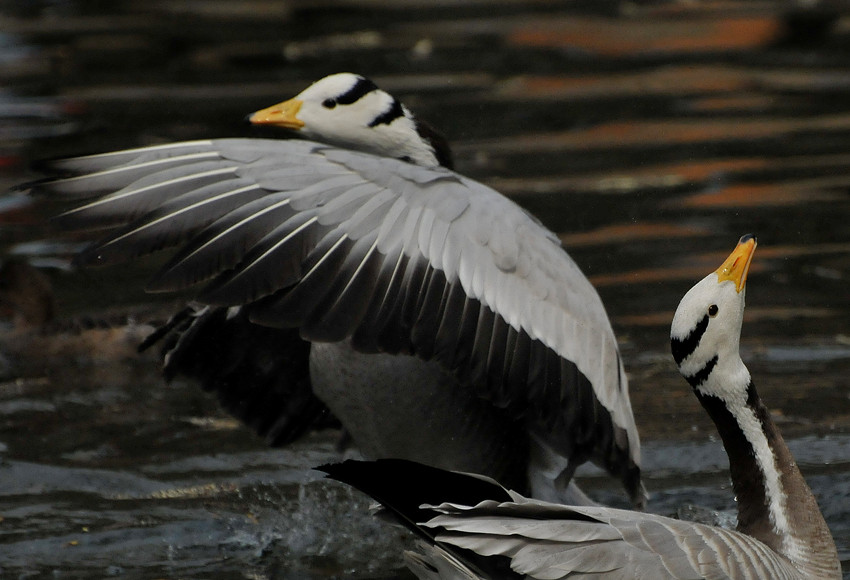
(376, 255)
(550, 541)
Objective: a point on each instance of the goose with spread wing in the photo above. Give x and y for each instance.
(436, 319)
(473, 528)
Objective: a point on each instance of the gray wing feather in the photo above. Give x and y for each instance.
(87, 164)
(113, 178)
(550, 541)
(173, 221)
(225, 242)
(398, 257)
(146, 194)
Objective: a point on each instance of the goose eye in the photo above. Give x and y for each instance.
(712, 310)
(329, 103)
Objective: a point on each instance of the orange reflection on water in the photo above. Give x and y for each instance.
(699, 264)
(623, 37)
(673, 80)
(738, 102)
(769, 251)
(758, 195)
(630, 232)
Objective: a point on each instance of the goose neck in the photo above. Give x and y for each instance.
(775, 505)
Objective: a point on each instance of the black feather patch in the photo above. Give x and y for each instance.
(683, 348)
(261, 375)
(700, 376)
(394, 112)
(438, 142)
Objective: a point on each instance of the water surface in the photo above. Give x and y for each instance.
(648, 136)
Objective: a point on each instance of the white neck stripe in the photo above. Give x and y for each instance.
(774, 494)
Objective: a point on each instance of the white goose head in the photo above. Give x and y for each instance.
(350, 111)
(706, 329)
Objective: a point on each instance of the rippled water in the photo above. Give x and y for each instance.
(649, 135)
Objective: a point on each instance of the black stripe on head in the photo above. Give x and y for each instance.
(701, 375)
(394, 112)
(682, 348)
(362, 87)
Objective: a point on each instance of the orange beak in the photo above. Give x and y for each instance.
(283, 114)
(737, 265)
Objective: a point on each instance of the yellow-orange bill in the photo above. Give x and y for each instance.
(283, 114)
(737, 265)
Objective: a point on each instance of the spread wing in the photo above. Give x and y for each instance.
(395, 257)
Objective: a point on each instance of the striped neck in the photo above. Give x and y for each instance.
(775, 505)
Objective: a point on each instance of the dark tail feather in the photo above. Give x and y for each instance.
(403, 486)
(260, 374)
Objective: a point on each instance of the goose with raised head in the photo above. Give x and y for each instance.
(435, 318)
(475, 528)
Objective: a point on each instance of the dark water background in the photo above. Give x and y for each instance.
(650, 135)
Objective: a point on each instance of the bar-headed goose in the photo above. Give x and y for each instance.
(433, 316)
(477, 529)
